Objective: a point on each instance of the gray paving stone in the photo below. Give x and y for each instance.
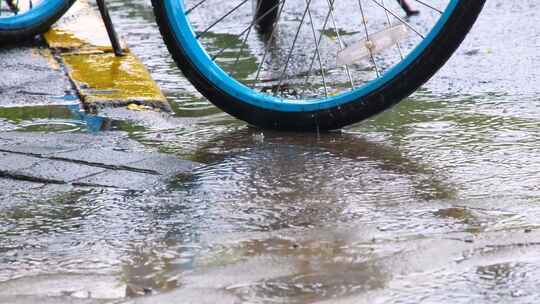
(107, 157)
(42, 144)
(10, 186)
(122, 179)
(28, 78)
(12, 137)
(40, 148)
(164, 164)
(71, 141)
(59, 171)
(10, 162)
(80, 159)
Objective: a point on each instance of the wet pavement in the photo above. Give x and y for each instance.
(30, 76)
(91, 161)
(435, 201)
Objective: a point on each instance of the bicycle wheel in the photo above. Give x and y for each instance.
(23, 19)
(326, 64)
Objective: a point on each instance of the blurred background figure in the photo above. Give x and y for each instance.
(266, 12)
(408, 9)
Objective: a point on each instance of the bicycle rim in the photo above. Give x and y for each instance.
(16, 15)
(285, 71)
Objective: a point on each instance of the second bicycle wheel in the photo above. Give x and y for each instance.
(23, 19)
(325, 64)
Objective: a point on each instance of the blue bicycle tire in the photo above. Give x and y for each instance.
(329, 113)
(32, 22)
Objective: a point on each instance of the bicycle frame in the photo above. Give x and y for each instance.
(113, 37)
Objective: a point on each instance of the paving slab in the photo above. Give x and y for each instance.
(122, 179)
(63, 142)
(30, 76)
(10, 162)
(164, 164)
(18, 137)
(107, 157)
(40, 144)
(104, 160)
(55, 171)
(38, 149)
(9, 186)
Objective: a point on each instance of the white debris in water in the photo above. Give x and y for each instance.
(376, 43)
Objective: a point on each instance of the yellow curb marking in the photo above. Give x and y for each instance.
(80, 27)
(136, 107)
(105, 78)
(61, 39)
(101, 78)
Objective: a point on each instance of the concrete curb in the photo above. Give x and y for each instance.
(79, 40)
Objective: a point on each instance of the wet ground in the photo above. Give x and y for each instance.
(435, 201)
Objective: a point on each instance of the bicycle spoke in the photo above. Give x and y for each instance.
(244, 42)
(195, 6)
(222, 18)
(13, 7)
(429, 6)
(389, 26)
(267, 46)
(248, 29)
(313, 58)
(364, 21)
(317, 50)
(407, 24)
(340, 41)
(293, 45)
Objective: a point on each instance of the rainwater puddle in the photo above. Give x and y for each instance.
(435, 201)
(61, 118)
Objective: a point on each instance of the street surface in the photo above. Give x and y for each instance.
(435, 201)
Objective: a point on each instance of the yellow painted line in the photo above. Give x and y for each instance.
(80, 39)
(80, 29)
(104, 79)
(61, 39)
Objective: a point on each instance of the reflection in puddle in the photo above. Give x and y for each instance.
(434, 201)
(62, 118)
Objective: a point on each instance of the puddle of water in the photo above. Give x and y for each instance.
(61, 118)
(436, 200)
